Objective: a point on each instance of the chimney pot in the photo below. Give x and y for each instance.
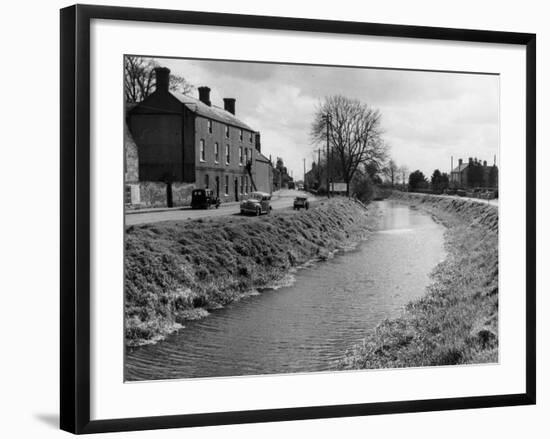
(162, 76)
(459, 162)
(229, 105)
(204, 95)
(258, 143)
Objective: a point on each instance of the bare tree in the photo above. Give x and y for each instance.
(391, 170)
(139, 79)
(354, 133)
(404, 172)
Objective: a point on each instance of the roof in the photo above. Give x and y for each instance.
(262, 158)
(211, 112)
(461, 167)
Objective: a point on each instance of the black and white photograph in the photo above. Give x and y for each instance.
(292, 218)
(275, 219)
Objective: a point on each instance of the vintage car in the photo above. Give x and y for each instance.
(203, 199)
(461, 192)
(256, 204)
(301, 202)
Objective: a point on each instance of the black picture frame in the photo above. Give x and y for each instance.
(75, 217)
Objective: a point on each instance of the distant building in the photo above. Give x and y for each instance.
(185, 143)
(474, 173)
(312, 177)
(281, 178)
(316, 178)
(263, 172)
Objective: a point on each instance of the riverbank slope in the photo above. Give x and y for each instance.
(456, 322)
(178, 271)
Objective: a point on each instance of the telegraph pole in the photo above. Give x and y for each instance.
(304, 172)
(327, 117)
(318, 168)
(451, 173)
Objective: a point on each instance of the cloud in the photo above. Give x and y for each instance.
(427, 116)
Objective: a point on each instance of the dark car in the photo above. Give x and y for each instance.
(301, 202)
(203, 199)
(257, 203)
(461, 192)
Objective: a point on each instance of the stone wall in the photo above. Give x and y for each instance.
(154, 194)
(131, 161)
(263, 176)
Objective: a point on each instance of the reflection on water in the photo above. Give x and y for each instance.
(306, 326)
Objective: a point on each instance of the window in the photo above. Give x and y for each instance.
(216, 152)
(226, 184)
(241, 135)
(242, 184)
(227, 155)
(206, 181)
(209, 126)
(246, 185)
(250, 136)
(127, 194)
(246, 155)
(227, 131)
(202, 151)
(240, 155)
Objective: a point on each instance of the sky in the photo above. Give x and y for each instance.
(427, 117)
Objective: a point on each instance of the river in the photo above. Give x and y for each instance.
(307, 324)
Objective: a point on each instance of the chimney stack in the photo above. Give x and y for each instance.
(229, 105)
(204, 95)
(459, 163)
(484, 163)
(258, 144)
(470, 161)
(162, 76)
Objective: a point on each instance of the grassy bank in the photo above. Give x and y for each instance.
(178, 271)
(456, 322)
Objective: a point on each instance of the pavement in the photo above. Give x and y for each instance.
(282, 199)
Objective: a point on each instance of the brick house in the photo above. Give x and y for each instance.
(474, 174)
(185, 143)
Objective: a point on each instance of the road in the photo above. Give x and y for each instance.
(281, 200)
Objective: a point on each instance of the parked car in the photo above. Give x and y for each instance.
(301, 203)
(203, 199)
(257, 203)
(461, 192)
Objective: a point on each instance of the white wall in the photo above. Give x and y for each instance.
(29, 320)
